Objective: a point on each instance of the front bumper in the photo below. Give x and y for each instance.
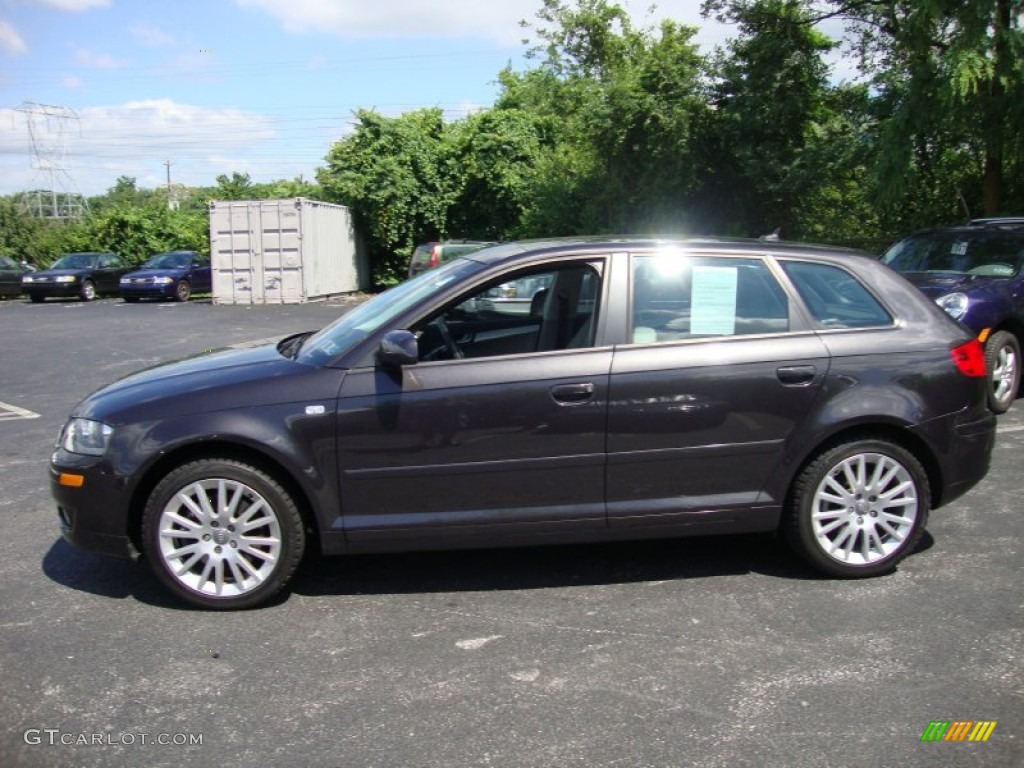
(94, 515)
(53, 290)
(148, 290)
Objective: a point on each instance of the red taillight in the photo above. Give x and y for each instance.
(433, 256)
(969, 359)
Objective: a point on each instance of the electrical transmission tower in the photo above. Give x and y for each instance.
(56, 196)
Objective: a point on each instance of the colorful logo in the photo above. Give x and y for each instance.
(959, 730)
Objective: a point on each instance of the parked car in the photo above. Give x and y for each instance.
(664, 388)
(172, 275)
(11, 273)
(431, 255)
(976, 273)
(85, 275)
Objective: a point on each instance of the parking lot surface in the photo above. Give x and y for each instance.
(697, 652)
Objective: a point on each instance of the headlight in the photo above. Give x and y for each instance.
(27, 279)
(163, 280)
(124, 280)
(86, 436)
(955, 304)
(66, 278)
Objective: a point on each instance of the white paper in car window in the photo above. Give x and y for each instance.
(713, 301)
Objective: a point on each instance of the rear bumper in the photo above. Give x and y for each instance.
(968, 439)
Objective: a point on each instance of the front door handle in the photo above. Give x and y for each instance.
(572, 394)
(796, 375)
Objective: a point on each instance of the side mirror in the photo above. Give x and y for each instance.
(398, 348)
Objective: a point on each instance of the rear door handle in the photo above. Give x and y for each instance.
(572, 394)
(796, 375)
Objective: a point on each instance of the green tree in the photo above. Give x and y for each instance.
(124, 192)
(949, 75)
(397, 177)
(238, 186)
(628, 108)
(772, 105)
(17, 231)
(496, 153)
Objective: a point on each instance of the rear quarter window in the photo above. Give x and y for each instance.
(835, 298)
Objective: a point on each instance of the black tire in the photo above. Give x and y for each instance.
(211, 547)
(88, 291)
(130, 299)
(182, 291)
(36, 298)
(1002, 361)
(850, 531)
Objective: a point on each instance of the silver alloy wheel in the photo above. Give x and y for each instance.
(88, 290)
(219, 537)
(1004, 372)
(864, 509)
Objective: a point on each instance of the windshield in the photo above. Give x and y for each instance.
(173, 260)
(75, 261)
(986, 254)
(372, 316)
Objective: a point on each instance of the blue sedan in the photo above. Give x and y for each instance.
(173, 275)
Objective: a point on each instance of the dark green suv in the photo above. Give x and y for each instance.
(430, 255)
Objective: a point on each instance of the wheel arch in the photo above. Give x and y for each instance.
(1012, 325)
(219, 449)
(875, 431)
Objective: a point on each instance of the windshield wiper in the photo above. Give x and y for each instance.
(290, 345)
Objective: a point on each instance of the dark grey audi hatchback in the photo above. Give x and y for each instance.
(652, 388)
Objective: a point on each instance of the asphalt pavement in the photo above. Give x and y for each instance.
(719, 652)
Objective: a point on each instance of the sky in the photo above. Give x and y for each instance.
(109, 88)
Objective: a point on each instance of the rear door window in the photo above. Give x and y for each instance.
(678, 296)
(835, 298)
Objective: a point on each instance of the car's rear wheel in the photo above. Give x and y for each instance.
(222, 534)
(88, 292)
(858, 508)
(1002, 360)
(182, 291)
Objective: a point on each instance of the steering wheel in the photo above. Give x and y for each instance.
(448, 339)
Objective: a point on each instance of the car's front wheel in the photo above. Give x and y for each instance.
(1002, 360)
(88, 292)
(858, 508)
(222, 534)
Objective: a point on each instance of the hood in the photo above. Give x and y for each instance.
(936, 284)
(237, 378)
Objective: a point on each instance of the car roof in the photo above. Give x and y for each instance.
(584, 245)
(1000, 220)
(975, 227)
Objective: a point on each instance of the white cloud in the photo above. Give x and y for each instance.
(151, 35)
(73, 5)
(135, 138)
(489, 21)
(10, 41)
(73, 81)
(95, 60)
